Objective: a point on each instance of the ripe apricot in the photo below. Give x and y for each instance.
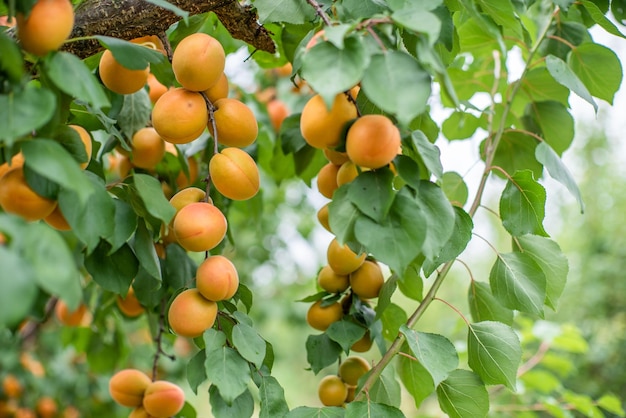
(155, 88)
(139, 412)
(130, 305)
(118, 78)
(234, 174)
(335, 157)
(183, 180)
(198, 61)
(342, 259)
(57, 220)
(148, 148)
(372, 141)
(320, 317)
(24, 412)
(331, 281)
(322, 217)
(78, 317)
(86, 139)
(16, 161)
(217, 278)
(191, 314)
(364, 344)
(127, 387)
(352, 369)
(322, 127)
(187, 196)
(163, 399)
(327, 180)
(367, 280)
(219, 90)
(12, 387)
(48, 25)
(180, 116)
(332, 391)
(236, 124)
(199, 227)
(46, 407)
(351, 393)
(346, 173)
(284, 70)
(277, 111)
(17, 197)
(71, 412)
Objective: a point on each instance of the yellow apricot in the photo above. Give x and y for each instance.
(372, 141)
(180, 116)
(364, 344)
(351, 393)
(327, 180)
(320, 317)
(118, 78)
(163, 399)
(148, 148)
(219, 90)
(12, 387)
(187, 196)
(57, 220)
(17, 197)
(46, 407)
(199, 227)
(277, 111)
(198, 61)
(342, 259)
(322, 127)
(139, 412)
(48, 25)
(127, 387)
(322, 217)
(129, 305)
(78, 317)
(217, 278)
(16, 161)
(352, 368)
(331, 281)
(367, 280)
(183, 180)
(86, 139)
(236, 124)
(335, 157)
(332, 391)
(346, 173)
(284, 70)
(155, 88)
(191, 314)
(234, 174)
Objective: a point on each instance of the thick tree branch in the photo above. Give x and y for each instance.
(128, 19)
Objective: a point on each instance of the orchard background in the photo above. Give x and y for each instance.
(477, 223)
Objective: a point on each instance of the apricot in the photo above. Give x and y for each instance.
(129, 305)
(183, 180)
(373, 141)
(78, 317)
(17, 197)
(57, 220)
(200, 227)
(322, 217)
(12, 387)
(86, 139)
(352, 368)
(46, 407)
(234, 174)
(217, 278)
(335, 157)
(284, 70)
(277, 111)
(346, 173)
(24, 412)
(331, 281)
(342, 259)
(191, 314)
(127, 387)
(148, 148)
(364, 344)
(163, 399)
(198, 62)
(367, 280)
(320, 317)
(332, 391)
(351, 393)
(71, 412)
(236, 124)
(317, 37)
(155, 88)
(219, 90)
(186, 197)
(48, 25)
(327, 180)
(139, 412)
(180, 116)
(322, 127)
(118, 78)
(16, 161)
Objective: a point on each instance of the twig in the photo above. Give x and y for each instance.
(320, 12)
(159, 341)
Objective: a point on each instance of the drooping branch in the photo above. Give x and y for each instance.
(129, 19)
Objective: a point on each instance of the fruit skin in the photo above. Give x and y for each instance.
(364, 344)
(331, 281)
(199, 227)
(118, 78)
(322, 217)
(217, 278)
(48, 25)
(16, 161)
(219, 90)
(12, 387)
(352, 368)
(372, 141)
(332, 391)
(17, 197)
(327, 180)
(163, 399)
(156, 89)
(277, 111)
(46, 407)
(367, 280)
(320, 317)
(130, 305)
(198, 62)
(182, 180)
(321, 127)
(236, 124)
(346, 173)
(180, 116)
(234, 174)
(78, 317)
(139, 412)
(86, 138)
(127, 387)
(148, 148)
(191, 314)
(342, 259)
(335, 157)
(179, 201)
(57, 220)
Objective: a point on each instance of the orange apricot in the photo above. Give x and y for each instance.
(118, 78)
(155, 88)
(78, 317)
(322, 217)
(24, 412)
(139, 412)
(163, 399)
(71, 412)
(180, 116)
(219, 90)
(327, 180)
(346, 173)
(48, 25)
(187, 196)
(127, 387)
(234, 174)
(342, 259)
(364, 344)
(148, 148)
(335, 157)
(372, 141)
(198, 61)
(46, 407)
(322, 127)
(12, 387)
(277, 111)
(200, 227)
(332, 391)
(191, 314)
(57, 220)
(320, 317)
(16, 161)
(367, 280)
(17, 197)
(217, 278)
(331, 281)
(86, 139)
(183, 180)
(236, 124)
(284, 70)
(351, 393)
(129, 305)
(352, 368)
(32, 365)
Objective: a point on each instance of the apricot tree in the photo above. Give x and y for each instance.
(130, 163)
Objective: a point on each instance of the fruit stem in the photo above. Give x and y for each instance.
(211, 109)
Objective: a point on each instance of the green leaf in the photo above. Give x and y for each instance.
(242, 406)
(11, 61)
(272, 398)
(393, 318)
(371, 192)
(18, 294)
(125, 224)
(485, 307)
(558, 171)
(113, 271)
(429, 153)
(386, 292)
(612, 404)
(518, 282)
(573, 33)
(463, 226)
(454, 188)
(396, 83)
(321, 351)
(345, 333)
(416, 379)
(408, 170)
(460, 125)
(178, 267)
(143, 245)
(149, 190)
(371, 409)
(419, 20)
(598, 16)
(357, 9)
(541, 381)
(285, 11)
(135, 113)
(565, 76)
(433, 351)
(308, 412)
(249, 344)
(130, 55)
(463, 395)
(227, 370)
(386, 389)
(539, 84)
(72, 76)
(522, 205)
(554, 123)
(503, 13)
(516, 151)
(439, 215)
(598, 67)
(411, 284)
(581, 403)
(342, 215)
(25, 111)
(196, 374)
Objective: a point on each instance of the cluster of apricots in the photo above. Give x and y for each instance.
(149, 399)
(337, 390)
